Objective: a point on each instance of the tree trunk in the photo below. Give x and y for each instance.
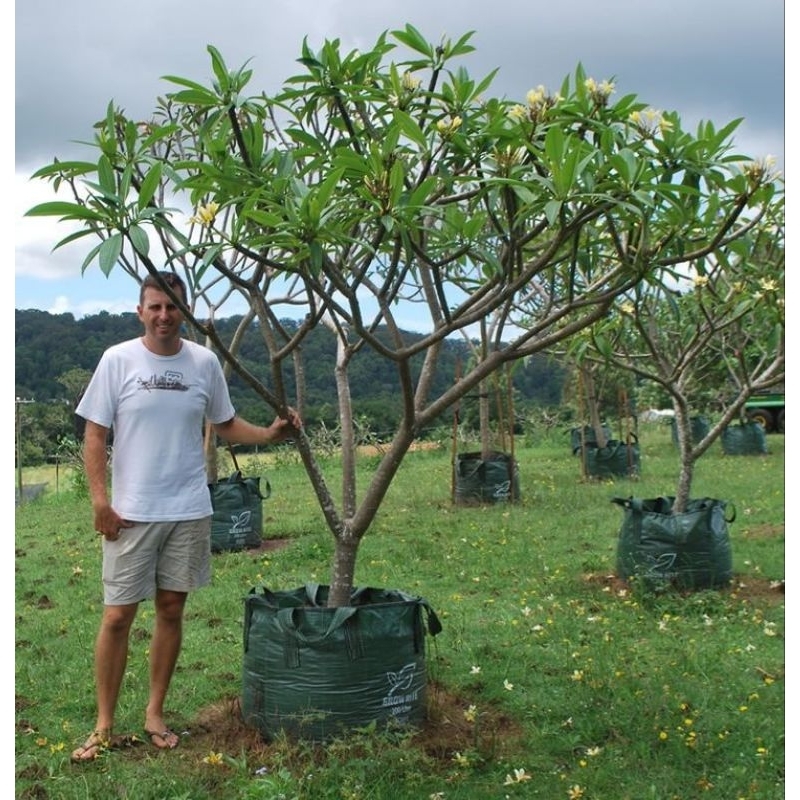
(343, 569)
(593, 405)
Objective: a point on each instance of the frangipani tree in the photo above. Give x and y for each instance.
(369, 190)
(715, 324)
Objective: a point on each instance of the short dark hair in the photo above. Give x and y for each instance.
(171, 279)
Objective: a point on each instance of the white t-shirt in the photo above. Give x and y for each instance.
(157, 406)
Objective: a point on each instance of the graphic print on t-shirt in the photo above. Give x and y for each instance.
(170, 380)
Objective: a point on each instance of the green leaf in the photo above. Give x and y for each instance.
(149, 185)
(109, 253)
(139, 239)
(67, 211)
(105, 176)
(220, 70)
(414, 40)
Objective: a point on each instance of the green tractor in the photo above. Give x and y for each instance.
(769, 410)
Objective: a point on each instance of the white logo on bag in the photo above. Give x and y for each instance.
(400, 681)
(241, 522)
(398, 698)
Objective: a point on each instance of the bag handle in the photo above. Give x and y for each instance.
(233, 457)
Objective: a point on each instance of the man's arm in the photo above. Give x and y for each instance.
(240, 431)
(106, 521)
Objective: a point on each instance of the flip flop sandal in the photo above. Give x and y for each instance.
(165, 737)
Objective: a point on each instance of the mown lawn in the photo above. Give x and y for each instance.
(551, 677)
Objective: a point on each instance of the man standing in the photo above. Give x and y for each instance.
(157, 392)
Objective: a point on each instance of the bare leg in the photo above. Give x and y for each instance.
(164, 650)
(110, 659)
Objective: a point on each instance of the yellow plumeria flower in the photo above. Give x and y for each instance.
(206, 214)
(410, 83)
(536, 97)
(447, 129)
(700, 281)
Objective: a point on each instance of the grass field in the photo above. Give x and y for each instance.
(551, 678)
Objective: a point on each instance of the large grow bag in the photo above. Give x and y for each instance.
(486, 478)
(312, 671)
(616, 459)
(688, 550)
(746, 439)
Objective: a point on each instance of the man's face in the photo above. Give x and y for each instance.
(161, 318)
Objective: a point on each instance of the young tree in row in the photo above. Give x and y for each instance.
(371, 195)
(711, 332)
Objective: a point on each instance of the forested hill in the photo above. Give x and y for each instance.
(48, 346)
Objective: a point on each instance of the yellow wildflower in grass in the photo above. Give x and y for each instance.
(57, 748)
(205, 214)
(474, 670)
(593, 751)
(76, 570)
(507, 685)
(471, 713)
(519, 776)
(214, 759)
(663, 736)
(460, 759)
(575, 792)
(41, 741)
(577, 675)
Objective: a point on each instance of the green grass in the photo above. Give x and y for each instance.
(593, 690)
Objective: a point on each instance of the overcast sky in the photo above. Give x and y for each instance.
(705, 59)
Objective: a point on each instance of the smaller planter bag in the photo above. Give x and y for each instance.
(616, 460)
(698, 427)
(586, 437)
(491, 478)
(238, 515)
(688, 550)
(748, 439)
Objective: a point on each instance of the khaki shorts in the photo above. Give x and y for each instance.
(175, 556)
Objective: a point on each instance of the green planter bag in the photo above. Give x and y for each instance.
(746, 439)
(237, 522)
(698, 426)
(688, 550)
(586, 437)
(313, 671)
(616, 459)
(493, 478)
